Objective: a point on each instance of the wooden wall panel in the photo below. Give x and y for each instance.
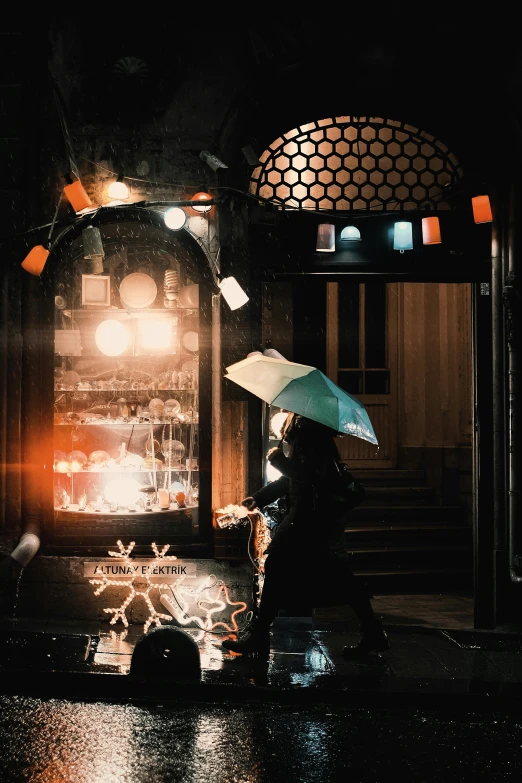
(435, 364)
(233, 453)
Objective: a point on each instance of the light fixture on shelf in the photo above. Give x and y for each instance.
(175, 218)
(325, 238)
(198, 202)
(431, 231)
(402, 236)
(112, 338)
(481, 209)
(232, 292)
(156, 335)
(350, 234)
(118, 189)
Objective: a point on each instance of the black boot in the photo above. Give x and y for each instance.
(373, 639)
(255, 642)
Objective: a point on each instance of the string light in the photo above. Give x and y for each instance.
(139, 587)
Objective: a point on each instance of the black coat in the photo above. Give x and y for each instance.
(307, 473)
(307, 563)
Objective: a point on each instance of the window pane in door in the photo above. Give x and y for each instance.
(375, 325)
(352, 381)
(348, 324)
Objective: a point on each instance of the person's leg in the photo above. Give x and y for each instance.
(373, 636)
(257, 640)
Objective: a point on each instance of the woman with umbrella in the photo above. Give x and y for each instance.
(312, 530)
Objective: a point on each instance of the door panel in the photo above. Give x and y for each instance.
(361, 333)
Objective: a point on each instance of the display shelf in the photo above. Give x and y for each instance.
(126, 471)
(152, 355)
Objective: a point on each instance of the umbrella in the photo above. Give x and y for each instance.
(305, 390)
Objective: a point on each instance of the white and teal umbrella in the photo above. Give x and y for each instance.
(305, 390)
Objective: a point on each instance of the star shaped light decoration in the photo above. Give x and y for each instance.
(138, 586)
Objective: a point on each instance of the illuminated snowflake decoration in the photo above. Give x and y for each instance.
(139, 586)
(209, 600)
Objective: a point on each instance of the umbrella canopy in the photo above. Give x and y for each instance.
(304, 390)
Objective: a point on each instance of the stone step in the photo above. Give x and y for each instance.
(389, 478)
(378, 514)
(389, 581)
(406, 495)
(427, 533)
(401, 557)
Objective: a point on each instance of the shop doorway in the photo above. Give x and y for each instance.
(361, 357)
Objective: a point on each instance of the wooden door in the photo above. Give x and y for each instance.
(361, 357)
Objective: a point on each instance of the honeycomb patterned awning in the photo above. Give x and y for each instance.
(363, 163)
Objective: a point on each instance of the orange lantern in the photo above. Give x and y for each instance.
(34, 261)
(481, 209)
(198, 200)
(77, 196)
(431, 231)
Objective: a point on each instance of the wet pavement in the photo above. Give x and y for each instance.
(444, 703)
(63, 741)
(427, 666)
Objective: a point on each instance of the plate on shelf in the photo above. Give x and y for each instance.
(190, 341)
(138, 290)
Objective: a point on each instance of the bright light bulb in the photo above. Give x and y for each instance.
(124, 492)
(198, 202)
(277, 422)
(118, 190)
(112, 337)
(175, 218)
(155, 334)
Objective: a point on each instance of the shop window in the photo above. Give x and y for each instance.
(127, 376)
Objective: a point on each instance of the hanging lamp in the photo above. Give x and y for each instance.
(77, 195)
(481, 209)
(350, 234)
(118, 190)
(431, 231)
(325, 238)
(198, 202)
(35, 260)
(402, 236)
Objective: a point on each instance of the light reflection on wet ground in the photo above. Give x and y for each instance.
(57, 741)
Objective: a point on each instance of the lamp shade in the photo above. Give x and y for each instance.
(175, 218)
(233, 293)
(92, 242)
(350, 234)
(431, 231)
(402, 236)
(118, 190)
(198, 202)
(481, 209)
(77, 196)
(325, 238)
(34, 261)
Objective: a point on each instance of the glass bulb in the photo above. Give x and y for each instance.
(118, 190)
(112, 337)
(175, 218)
(77, 461)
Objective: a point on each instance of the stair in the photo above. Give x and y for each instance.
(401, 540)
